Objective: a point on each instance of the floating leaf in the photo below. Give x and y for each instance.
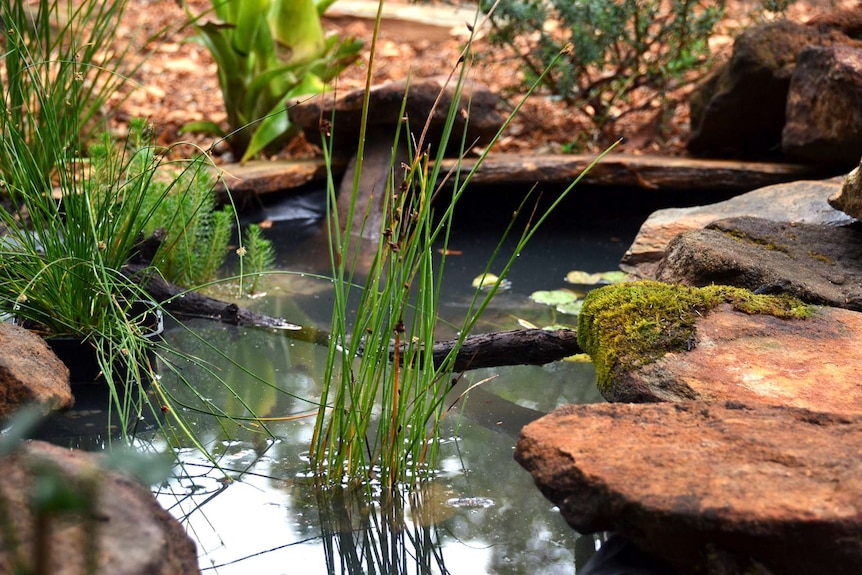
(584, 278)
(557, 327)
(615, 277)
(555, 298)
(578, 358)
(487, 281)
(571, 308)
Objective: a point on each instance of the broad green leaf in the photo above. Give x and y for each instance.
(584, 278)
(295, 25)
(554, 298)
(249, 23)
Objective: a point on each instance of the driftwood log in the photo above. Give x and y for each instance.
(515, 347)
(182, 302)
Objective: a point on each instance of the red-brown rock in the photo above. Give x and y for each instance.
(818, 264)
(710, 487)
(132, 535)
(824, 106)
(814, 363)
(740, 110)
(802, 201)
(30, 373)
(849, 198)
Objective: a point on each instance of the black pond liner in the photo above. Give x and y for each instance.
(80, 356)
(86, 424)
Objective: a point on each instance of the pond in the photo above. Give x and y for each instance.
(256, 511)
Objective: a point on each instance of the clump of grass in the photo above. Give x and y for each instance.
(54, 59)
(383, 395)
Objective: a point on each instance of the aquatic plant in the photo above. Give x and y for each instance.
(383, 394)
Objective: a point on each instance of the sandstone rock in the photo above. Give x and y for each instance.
(818, 264)
(133, 534)
(824, 106)
(385, 112)
(739, 111)
(712, 488)
(814, 363)
(30, 373)
(801, 201)
(849, 198)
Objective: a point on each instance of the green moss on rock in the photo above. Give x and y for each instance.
(628, 325)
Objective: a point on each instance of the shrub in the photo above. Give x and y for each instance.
(614, 48)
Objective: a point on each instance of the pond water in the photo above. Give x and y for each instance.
(480, 512)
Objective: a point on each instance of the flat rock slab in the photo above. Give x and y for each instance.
(707, 486)
(814, 363)
(817, 264)
(646, 172)
(802, 202)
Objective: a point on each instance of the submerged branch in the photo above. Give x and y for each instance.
(182, 302)
(514, 347)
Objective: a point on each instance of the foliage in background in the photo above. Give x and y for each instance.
(269, 53)
(55, 57)
(613, 48)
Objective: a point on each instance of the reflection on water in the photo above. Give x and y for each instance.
(268, 518)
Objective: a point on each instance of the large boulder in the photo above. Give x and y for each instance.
(659, 342)
(739, 111)
(125, 531)
(711, 487)
(30, 373)
(800, 201)
(824, 106)
(818, 264)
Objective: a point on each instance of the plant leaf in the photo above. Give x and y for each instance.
(555, 297)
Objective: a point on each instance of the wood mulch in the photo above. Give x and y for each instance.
(176, 79)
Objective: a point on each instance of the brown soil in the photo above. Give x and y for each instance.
(176, 80)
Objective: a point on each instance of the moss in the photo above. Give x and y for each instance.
(628, 325)
(821, 258)
(765, 244)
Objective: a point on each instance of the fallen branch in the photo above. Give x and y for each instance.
(180, 301)
(515, 347)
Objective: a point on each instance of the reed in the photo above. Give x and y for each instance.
(383, 396)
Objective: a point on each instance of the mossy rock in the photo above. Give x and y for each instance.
(628, 325)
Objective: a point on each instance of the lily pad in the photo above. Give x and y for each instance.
(571, 308)
(555, 297)
(585, 278)
(487, 281)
